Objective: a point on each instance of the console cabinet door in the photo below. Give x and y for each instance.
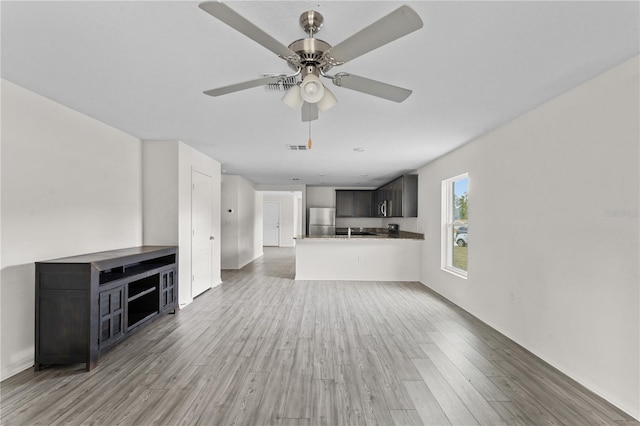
(111, 316)
(168, 289)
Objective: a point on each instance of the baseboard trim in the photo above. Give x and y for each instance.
(15, 368)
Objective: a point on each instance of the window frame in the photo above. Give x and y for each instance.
(447, 228)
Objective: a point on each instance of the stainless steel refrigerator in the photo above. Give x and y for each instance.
(322, 221)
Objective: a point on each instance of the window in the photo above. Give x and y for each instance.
(455, 224)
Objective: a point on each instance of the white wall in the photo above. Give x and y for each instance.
(321, 196)
(287, 217)
(160, 193)
(359, 222)
(70, 185)
(298, 211)
(229, 230)
(553, 216)
(242, 227)
(258, 225)
(167, 170)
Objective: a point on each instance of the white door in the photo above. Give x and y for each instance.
(201, 235)
(271, 223)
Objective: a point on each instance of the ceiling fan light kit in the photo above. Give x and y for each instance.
(292, 98)
(312, 58)
(327, 101)
(311, 89)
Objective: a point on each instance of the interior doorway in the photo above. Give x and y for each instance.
(290, 218)
(201, 232)
(271, 224)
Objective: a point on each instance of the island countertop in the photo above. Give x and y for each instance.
(380, 234)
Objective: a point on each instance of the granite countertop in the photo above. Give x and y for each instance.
(380, 234)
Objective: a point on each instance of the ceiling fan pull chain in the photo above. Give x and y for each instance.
(309, 143)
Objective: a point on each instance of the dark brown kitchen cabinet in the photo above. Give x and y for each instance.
(344, 203)
(400, 197)
(396, 197)
(85, 304)
(354, 203)
(363, 203)
(382, 196)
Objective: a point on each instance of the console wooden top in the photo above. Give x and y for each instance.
(104, 260)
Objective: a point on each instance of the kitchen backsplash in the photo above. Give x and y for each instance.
(359, 222)
(409, 224)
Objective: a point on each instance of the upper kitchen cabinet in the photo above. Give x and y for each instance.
(363, 203)
(398, 198)
(344, 203)
(354, 203)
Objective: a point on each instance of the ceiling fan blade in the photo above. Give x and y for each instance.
(309, 112)
(244, 85)
(371, 87)
(238, 22)
(398, 23)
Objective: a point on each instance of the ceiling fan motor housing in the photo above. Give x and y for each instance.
(310, 51)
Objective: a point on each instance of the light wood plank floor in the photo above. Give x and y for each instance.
(263, 349)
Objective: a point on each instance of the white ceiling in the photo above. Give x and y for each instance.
(142, 66)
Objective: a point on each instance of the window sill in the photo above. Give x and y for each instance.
(455, 271)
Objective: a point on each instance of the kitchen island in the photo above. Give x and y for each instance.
(380, 257)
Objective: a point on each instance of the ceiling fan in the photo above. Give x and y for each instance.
(312, 58)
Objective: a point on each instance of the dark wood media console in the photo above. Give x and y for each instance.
(86, 304)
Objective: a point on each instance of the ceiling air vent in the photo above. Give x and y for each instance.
(297, 147)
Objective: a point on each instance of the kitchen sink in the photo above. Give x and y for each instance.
(353, 233)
